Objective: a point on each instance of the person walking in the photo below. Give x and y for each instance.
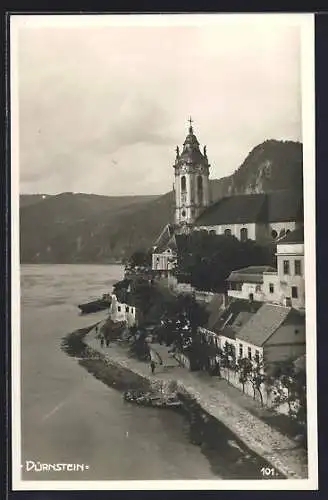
(102, 341)
(154, 359)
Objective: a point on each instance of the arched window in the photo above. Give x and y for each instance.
(183, 213)
(183, 183)
(200, 188)
(227, 232)
(243, 234)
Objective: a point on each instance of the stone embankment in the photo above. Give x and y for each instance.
(114, 367)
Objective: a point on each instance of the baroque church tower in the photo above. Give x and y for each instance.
(191, 181)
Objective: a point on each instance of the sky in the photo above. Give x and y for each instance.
(102, 108)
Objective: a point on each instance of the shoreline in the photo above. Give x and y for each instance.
(221, 446)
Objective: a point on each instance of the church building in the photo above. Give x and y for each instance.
(261, 217)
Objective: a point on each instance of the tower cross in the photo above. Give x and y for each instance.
(190, 121)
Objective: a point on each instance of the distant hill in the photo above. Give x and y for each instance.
(72, 228)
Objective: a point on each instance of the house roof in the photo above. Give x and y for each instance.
(252, 274)
(296, 236)
(228, 332)
(165, 240)
(277, 206)
(230, 314)
(263, 324)
(241, 320)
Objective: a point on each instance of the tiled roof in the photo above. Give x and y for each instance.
(166, 239)
(228, 332)
(233, 210)
(296, 236)
(241, 320)
(252, 274)
(277, 206)
(230, 314)
(263, 324)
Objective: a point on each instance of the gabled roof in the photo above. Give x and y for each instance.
(276, 206)
(296, 236)
(166, 239)
(263, 324)
(228, 332)
(252, 274)
(230, 314)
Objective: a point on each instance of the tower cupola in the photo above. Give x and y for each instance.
(191, 184)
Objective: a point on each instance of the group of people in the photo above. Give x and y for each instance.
(104, 340)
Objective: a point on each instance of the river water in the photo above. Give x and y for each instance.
(68, 416)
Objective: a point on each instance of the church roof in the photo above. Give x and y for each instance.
(191, 152)
(277, 206)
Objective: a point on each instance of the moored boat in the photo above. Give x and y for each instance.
(96, 305)
(152, 400)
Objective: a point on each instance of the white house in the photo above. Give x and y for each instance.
(274, 333)
(247, 283)
(287, 285)
(126, 312)
(164, 251)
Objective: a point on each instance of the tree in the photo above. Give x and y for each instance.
(228, 358)
(290, 387)
(140, 258)
(208, 259)
(257, 377)
(244, 369)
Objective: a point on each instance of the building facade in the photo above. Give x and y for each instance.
(286, 286)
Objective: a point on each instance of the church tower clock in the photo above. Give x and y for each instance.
(191, 181)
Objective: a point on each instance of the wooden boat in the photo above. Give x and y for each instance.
(151, 400)
(96, 305)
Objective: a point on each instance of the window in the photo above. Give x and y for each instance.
(257, 356)
(119, 308)
(286, 266)
(274, 234)
(183, 213)
(298, 271)
(212, 231)
(240, 350)
(183, 183)
(227, 232)
(258, 288)
(249, 353)
(200, 188)
(127, 309)
(243, 234)
(271, 287)
(251, 297)
(294, 292)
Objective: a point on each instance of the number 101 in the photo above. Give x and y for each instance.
(266, 471)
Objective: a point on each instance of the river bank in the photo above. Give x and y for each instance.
(222, 444)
